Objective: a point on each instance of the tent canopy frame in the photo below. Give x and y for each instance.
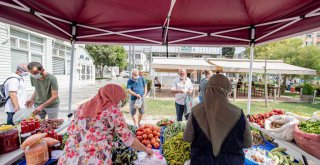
(166, 26)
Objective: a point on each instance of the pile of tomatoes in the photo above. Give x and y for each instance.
(149, 135)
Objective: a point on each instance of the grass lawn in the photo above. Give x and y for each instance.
(167, 107)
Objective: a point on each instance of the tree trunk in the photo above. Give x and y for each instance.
(101, 71)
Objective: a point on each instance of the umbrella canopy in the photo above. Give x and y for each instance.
(196, 22)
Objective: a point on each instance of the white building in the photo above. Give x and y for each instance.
(18, 45)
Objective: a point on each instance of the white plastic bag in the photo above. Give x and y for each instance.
(187, 162)
(300, 118)
(316, 115)
(286, 130)
(138, 104)
(156, 159)
(22, 114)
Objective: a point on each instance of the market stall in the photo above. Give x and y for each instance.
(17, 154)
(247, 23)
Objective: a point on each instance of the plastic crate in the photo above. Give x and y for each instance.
(50, 162)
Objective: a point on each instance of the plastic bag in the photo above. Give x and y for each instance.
(22, 114)
(285, 132)
(156, 159)
(188, 104)
(138, 104)
(316, 115)
(300, 118)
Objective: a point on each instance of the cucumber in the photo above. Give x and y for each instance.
(278, 149)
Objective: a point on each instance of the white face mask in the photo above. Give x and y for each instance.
(135, 78)
(24, 74)
(181, 77)
(37, 76)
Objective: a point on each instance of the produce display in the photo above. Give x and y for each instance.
(122, 155)
(278, 155)
(51, 123)
(176, 150)
(310, 127)
(149, 135)
(257, 140)
(258, 156)
(174, 129)
(260, 118)
(164, 122)
(276, 124)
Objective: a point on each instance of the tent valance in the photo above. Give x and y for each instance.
(229, 66)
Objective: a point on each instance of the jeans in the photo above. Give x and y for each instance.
(10, 118)
(180, 111)
(200, 99)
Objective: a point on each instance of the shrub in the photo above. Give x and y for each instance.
(307, 89)
(149, 84)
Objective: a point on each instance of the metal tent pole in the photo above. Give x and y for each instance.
(250, 72)
(265, 83)
(71, 70)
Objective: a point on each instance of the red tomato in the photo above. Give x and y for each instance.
(150, 136)
(156, 145)
(139, 138)
(149, 146)
(145, 136)
(148, 142)
(158, 140)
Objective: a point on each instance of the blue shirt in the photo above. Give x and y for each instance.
(136, 86)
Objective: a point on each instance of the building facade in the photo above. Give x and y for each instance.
(18, 45)
(311, 39)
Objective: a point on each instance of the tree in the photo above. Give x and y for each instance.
(105, 55)
(228, 52)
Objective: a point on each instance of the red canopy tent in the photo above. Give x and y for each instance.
(165, 22)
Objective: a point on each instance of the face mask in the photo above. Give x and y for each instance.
(37, 76)
(135, 78)
(181, 77)
(24, 74)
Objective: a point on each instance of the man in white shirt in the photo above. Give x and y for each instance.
(181, 87)
(15, 90)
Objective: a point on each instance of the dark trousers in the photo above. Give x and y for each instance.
(180, 111)
(10, 117)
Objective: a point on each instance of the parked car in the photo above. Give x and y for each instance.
(125, 74)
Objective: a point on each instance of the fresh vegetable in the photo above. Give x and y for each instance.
(310, 127)
(276, 124)
(164, 122)
(6, 127)
(260, 118)
(148, 135)
(174, 129)
(257, 138)
(64, 139)
(278, 155)
(51, 124)
(122, 155)
(176, 150)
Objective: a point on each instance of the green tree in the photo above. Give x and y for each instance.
(106, 55)
(228, 52)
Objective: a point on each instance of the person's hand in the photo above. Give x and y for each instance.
(29, 103)
(16, 109)
(138, 96)
(38, 110)
(149, 152)
(181, 91)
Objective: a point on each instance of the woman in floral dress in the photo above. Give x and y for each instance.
(94, 125)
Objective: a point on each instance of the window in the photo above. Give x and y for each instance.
(309, 35)
(308, 43)
(61, 50)
(58, 66)
(137, 56)
(81, 57)
(36, 47)
(18, 57)
(87, 59)
(23, 44)
(19, 34)
(36, 39)
(14, 42)
(36, 58)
